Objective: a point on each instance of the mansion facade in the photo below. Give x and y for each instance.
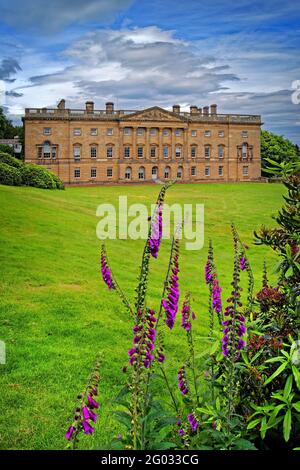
(121, 146)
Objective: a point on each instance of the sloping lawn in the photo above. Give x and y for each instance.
(56, 314)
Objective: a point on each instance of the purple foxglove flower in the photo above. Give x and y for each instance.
(92, 403)
(86, 413)
(69, 433)
(131, 351)
(156, 231)
(88, 429)
(161, 357)
(105, 270)
(93, 416)
(193, 422)
(243, 263)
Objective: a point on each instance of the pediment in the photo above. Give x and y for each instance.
(154, 114)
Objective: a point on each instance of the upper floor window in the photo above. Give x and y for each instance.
(109, 151)
(207, 133)
(77, 152)
(244, 150)
(152, 152)
(93, 151)
(127, 130)
(126, 152)
(77, 131)
(194, 133)
(193, 151)
(221, 151)
(47, 131)
(153, 131)
(244, 134)
(140, 131)
(53, 151)
(47, 150)
(166, 151)
(140, 152)
(178, 132)
(94, 131)
(109, 131)
(178, 151)
(221, 133)
(207, 151)
(166, 132)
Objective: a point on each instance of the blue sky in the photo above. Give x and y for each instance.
(242, 55)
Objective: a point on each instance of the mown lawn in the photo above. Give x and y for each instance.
(56, 314)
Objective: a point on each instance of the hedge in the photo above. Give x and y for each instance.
(10, 175)
(33, 175)
(7, 149)
(9, 160)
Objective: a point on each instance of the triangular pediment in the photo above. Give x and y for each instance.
(154, 113)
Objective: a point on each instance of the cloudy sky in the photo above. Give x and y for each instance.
(242, 55)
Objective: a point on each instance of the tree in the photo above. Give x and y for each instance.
(7, 130)
(277, 148)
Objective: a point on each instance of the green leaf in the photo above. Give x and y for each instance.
(263, 427)
(288, 386)
(287, 425)
(164, 445)
(276, 373)
(296, 376)
(297, 406)
(254, 423)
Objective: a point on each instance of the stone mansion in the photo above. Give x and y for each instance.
(121, 146)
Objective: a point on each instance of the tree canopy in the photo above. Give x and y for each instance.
(277, 148)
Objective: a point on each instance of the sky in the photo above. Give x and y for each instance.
(242, 55)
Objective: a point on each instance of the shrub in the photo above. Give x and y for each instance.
(58, 181)
(9, 175)
(33, 175)
(9, 160)
(7, 149)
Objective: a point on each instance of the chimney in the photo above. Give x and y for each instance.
(176, 108)
(200, 111)
(109, 107)
(205, 110)
(89, 107)
(213, 109)
(61, 104)
(193, 110)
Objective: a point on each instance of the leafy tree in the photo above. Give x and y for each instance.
(277, 148)
(7, 130)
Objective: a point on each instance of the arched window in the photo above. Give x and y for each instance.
(94, 150)
(141, 173)
(154, 172)
(179, 172)
(167, 172)
(193, 151)
(207, 151)
(128, 173)
(47, 149)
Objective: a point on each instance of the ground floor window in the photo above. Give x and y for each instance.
(245, 171)
(93, 172)
(221, 171)
(193, 171)
(128, 173)
(141, 173)
(207, 171)
(109, 172)
(77, 173)
(167, 172)
(179, 172)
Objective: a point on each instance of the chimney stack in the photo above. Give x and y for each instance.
(206, 110)
(61, 104)
(176, 108)
(193, 110)
(109, 108)
(213, 109)
(89, 107)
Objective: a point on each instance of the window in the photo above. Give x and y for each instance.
(193, 171)
(245, 171)
(94, 131)
(221, 171)
(109, 131)
(77, 131)
(47, 131)
(207, 151)
(244, 151)
(109, 172)
(141, 173)
(194, 133)
(221, 151)
(126, 152)
(153, 152)
(153, 131)
(166, 152)
(154, 172)
(128, 173)
(54, 151)
(109, 151)
(93, 172)
(166, 131)
(40, 152)
(221, 134)
(167, 172)
(178, 132)
(207, 133)
(193, 151)
(207, 171)
(77, 152)
(140, 131)
(245, 134)
(77, 173)
(93, 151)
(178, 152)
(140, 152)
(47, 149)
(179, 172)
(126, 130)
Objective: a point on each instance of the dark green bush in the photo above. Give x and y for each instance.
(9, 175)
(33, 175)
(9, 160)
(7, 149)
(58, 182)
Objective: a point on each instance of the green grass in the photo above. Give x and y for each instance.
(56, 314)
